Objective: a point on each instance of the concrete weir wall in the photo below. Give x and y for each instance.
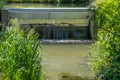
(79, 18)
(0, 15)
(0, 20)
(5, 19)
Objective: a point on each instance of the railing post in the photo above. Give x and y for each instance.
(92, 24)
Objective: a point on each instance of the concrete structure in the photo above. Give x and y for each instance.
(53, 20)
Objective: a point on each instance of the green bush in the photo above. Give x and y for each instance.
(19, 55)
(105, 55)
(2, 3)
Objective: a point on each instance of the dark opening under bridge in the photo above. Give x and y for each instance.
(54, 23)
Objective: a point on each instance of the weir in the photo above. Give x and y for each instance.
(54, 23)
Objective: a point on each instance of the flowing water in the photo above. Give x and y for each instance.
(66, 61)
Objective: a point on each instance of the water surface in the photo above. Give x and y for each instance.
(66, 60)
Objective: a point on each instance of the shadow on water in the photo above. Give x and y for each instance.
(73, 78)
(67, 76)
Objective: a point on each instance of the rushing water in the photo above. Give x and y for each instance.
(66, 61)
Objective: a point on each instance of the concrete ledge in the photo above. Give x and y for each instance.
(67, 41)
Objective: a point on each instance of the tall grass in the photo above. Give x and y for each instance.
(19, 56)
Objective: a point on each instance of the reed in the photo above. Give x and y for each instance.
(19, 55)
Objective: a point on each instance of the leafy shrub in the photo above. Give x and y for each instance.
(106, 50)
(2, 3)
(19, 56)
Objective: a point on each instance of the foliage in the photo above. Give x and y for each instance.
(2, 3)
(106, 51)
(19, 56)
